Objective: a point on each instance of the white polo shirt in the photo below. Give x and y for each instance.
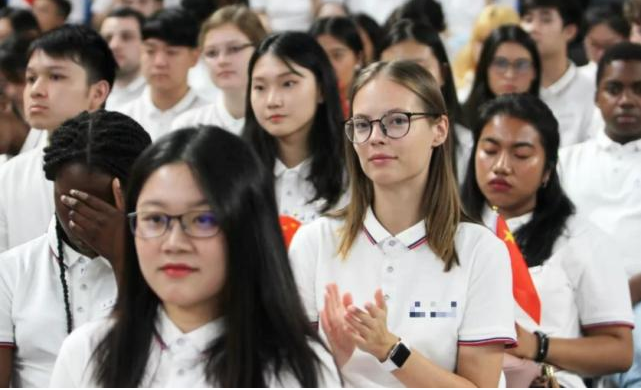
(176, 359)
(214, 114)
(32, 309)
(285, 15)
(463, 150)
(603, 179)
(294, 191)
(26, 199)
(435, 311)
(579, 286)
(156, 122)
(571, 99)
(120, 96)
(34, 139)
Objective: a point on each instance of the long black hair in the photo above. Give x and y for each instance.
(105, 141)
(265, 326)
(553, 207)
(325, 140)
(481, 92)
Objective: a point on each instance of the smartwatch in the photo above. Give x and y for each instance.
(397, 356)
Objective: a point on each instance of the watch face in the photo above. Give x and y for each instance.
(400, 355)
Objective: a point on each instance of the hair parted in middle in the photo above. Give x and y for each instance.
(441, 206)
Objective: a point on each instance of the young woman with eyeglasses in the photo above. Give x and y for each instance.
(407, 291)
(294, 124)
(227, 40)
(208, 297)
(64, 279)
(509, 63)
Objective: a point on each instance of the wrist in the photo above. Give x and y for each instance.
(542, 346)
(387, 347)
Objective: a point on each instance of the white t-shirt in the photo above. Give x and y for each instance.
(120, 96)
(579, 286)
(32, 309)
(294, 191)
(26, 199)
(176, 358)
(286, 15)
(603, 180)
(434, 311)
(156, 122)
(214, 114)
(571, 99)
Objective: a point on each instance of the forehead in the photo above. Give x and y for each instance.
(114, 23)
(160, 44)
(410, 47)
(623, 71)
(512, 49)
(544, 11)
(172, 184)
(41, 61)
(226, 33)
(271, 66)
(78, 176)
(329, 42)
(508, 129)
(381, 95)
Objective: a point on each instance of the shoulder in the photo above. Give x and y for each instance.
(321, 229)
(19, 164)
(475, 242)
(203, 115)
(582, 242)
(327, 372)
(22, 258)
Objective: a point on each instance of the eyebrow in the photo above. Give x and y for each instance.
(160, 203)
(48, 67)
(521, 144)
(288, 73)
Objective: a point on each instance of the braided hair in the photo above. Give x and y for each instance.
(103, 140)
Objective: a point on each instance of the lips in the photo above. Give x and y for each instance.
(177, 270)
(226, 73)
(626, 118)
(381, 159)
(276, 118)
(500, 185)
(34, 108)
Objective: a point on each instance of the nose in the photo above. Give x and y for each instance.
(274, 98)
(377, 135)
(502, 165)
(159, 59)
(37, 88)
(175, 239)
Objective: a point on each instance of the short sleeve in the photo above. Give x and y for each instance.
(4, 226)
(8, 281)
(303, 254)
(73, 365)
(489, 310)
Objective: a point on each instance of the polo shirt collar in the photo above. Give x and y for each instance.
(606, 143)
(489, 219)
(172, 338)
(561, 83)
(71, 257)
(301, 169)
(411, 237)
(179, 107)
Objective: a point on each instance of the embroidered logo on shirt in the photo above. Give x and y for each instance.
(416, 312)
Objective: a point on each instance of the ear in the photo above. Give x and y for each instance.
(546, 178)
(118, 196)
(441, 129)
(98, 93)
(194, 56)
(569, 32)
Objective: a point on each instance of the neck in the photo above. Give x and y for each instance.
(518, 210)
(234, 102)
(124, 79)
(191, 318)
(553, 68)
(293, 150)
(614, 136)
(398, 208)
(166, 99)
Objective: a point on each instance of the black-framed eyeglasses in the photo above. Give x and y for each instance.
(393, 125)
(228, 50)
(152, 224)
(520, 66)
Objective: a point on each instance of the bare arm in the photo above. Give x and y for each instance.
(6, 365)
(635, 289)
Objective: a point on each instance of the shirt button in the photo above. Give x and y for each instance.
(386, 297)
(180, 372)
(83, 287)
(180, 342)
(80, 309)
(288, 193)
(390, 269)
(392, 242)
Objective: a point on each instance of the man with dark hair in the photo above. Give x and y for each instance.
(122, 29)
(170, 49)
(70, 70)
(603, 175)
(51, 13)
(553, 24)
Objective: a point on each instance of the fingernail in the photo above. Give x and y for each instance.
(78, 194)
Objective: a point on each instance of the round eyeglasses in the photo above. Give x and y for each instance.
(520, 66)
(393, 125)
(152, 224)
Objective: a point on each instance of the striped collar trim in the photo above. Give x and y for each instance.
(412, 238)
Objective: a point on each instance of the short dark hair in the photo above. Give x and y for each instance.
(570, 10)
(22, 21)
(340, 27)
(553, 207)
(126, 12)
(623, 51)
(375, 32)
(82, 45)
(426, 11)
(13, 58)
(174, 26)
(63, 7)
(609, 14)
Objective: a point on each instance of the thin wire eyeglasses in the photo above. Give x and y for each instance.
(152, 224)
(394, 125)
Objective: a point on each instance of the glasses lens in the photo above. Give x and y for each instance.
(200, 224)
(397, 124)
(358, 130)
(501, 64)
(522, 65)
(148, 224)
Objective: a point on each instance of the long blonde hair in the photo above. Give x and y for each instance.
(441, 205)
(491, 17)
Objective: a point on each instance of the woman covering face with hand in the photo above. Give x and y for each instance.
(208, 297)
(584, 296)
(426, 296)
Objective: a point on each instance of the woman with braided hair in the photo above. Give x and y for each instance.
(65, 278)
